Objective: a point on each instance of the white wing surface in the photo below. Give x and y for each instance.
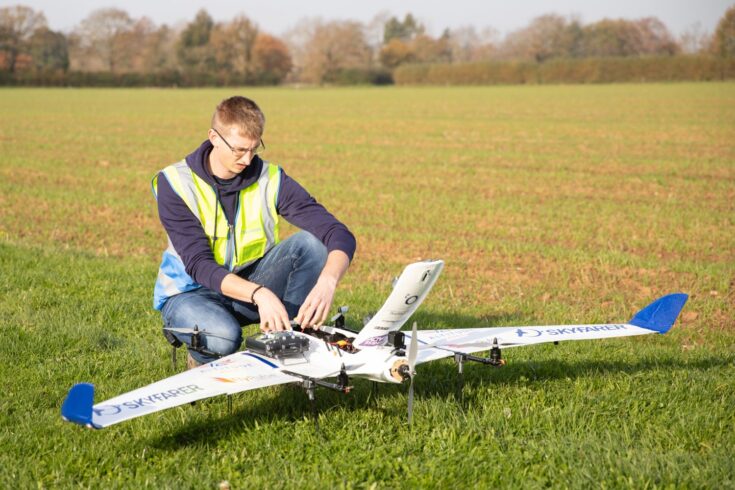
(408, 293)
(232, 374)
(658, 317)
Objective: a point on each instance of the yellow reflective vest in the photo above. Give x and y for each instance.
(234, 245)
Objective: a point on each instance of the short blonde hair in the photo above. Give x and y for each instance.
(241, 112)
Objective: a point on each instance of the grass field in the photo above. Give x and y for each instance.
(550, 205)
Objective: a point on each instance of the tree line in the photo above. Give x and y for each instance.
(109, 47)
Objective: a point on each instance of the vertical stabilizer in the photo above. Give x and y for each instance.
(408, 293)
(660, 315)
(77, 407)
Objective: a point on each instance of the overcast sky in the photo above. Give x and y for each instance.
(277, 16)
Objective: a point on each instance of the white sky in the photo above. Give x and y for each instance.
(277, 16)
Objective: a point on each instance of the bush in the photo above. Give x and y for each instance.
(154, 79)
(587, 70)
(358, 76)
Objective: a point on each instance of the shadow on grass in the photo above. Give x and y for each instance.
(431, 320)
(552, 369)
(289, 403)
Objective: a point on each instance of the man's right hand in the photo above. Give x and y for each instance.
(273, 316)
(272, 313)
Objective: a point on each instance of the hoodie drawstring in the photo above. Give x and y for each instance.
(216, 209)
(230, 227)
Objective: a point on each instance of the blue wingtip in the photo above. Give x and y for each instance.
(77, 407)
(660, 315)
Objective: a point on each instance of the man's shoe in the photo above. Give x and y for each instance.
(191, 363)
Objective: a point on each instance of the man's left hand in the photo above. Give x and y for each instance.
(313, 313)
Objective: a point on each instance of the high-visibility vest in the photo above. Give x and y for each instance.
(234, 245)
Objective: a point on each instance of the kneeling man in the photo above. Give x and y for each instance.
(225, 266)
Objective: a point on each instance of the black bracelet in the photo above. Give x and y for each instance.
(252, 296)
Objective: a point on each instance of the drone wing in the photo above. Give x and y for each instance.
(658, 317)
(237, 372)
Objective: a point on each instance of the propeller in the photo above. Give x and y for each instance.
(340, 312)
(185, 331)
(413, 348)
(195, 342)
(192, 331)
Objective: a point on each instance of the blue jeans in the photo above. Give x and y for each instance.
(290, 270)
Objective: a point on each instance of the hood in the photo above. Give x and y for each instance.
(198, 162)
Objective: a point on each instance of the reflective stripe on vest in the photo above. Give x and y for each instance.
(254, 232)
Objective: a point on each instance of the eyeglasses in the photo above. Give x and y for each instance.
(240, 152)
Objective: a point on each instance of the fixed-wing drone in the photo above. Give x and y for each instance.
(379, 352)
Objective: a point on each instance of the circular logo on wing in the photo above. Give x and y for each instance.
(411, 299)
(528, 332)
(102, 410)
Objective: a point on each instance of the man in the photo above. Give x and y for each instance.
(225, 266)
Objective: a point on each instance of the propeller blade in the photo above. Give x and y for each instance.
(413, 350)
(410, 401)
(186, 331)
(192, 331)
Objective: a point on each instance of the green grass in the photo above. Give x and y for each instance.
(549, 205)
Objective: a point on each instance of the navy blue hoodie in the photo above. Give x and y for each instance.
(294, 204)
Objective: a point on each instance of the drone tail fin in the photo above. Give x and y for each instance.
(77, 407)
(660, 315)
(409, 291)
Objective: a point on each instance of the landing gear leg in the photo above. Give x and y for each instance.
(374, 392)
(459, 359)
(310, 388)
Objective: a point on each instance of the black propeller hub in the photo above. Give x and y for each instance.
(404, 371)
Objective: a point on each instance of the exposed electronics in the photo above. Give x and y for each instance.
(278, 344)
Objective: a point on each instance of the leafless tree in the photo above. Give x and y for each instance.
(467, 44)
(427, 49)
(232, 44)
(655, 37)
(723, 42)
(547, 36)
(621, 37)
(159, 50)
(17, 25)
(335, 46)
(101, 35)
(695, 39)
(375, 28)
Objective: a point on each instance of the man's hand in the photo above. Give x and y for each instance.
(313, 313)
(273, 314)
